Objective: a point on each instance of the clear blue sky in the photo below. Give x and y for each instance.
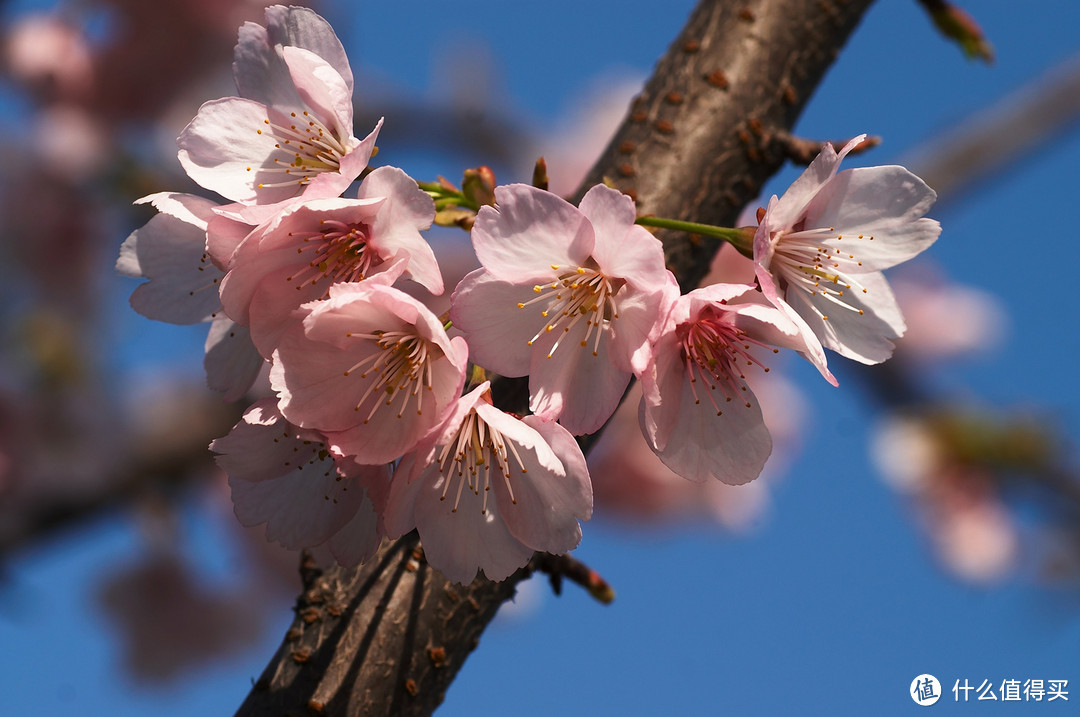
(834, 605)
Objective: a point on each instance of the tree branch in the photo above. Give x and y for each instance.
(698, 143)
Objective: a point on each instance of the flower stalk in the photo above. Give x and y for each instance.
(740, 238)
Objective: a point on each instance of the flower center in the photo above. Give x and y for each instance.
(715, 353)
(305, 147)
(803, 260)
(470, 458)
(338, 252)
(401, 366)
(581, 296)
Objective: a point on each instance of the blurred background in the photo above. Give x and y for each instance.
(922, 518)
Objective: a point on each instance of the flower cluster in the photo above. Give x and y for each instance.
(372, 429)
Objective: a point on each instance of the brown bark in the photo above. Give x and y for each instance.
(697, 144)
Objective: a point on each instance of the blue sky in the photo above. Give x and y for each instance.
(834, 604)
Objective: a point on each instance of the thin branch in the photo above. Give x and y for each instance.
(994, 138)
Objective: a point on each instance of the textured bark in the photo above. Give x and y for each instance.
(697, 144)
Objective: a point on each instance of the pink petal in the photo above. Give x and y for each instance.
(224, 233)
(301, 27)
(641, 318)
(249, 451)
(270, 271)
(350, 167)
(541, 513)
(731, 447)
(662, 387)
(313, 372)
(623, 249)
(259, 70)
(188, 208)
(359, 539)
(322, 89)
(498, 332)
(301, 509)
(406, 211)
(458, 543)
(528, 232)
(883, 202)
(284, 477)
(579, 500)
(574, 386)
(811, 349)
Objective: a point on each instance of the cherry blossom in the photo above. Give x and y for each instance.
(171, 252)
(290, 130)
(296, 256)
(633, 486)
(485, 490)
(286, 477)
(370, 367)
(568, 296)
(698, 411)
(821, 247)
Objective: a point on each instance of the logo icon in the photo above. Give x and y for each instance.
(925, 690)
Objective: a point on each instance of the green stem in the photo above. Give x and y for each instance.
(742, 239)
(445, 197)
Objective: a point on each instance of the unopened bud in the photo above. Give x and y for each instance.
(540, 175)
(956, 23)
(479, 186)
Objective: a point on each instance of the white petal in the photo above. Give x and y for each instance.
(885, 203)
(865, 337)
(222, 150)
